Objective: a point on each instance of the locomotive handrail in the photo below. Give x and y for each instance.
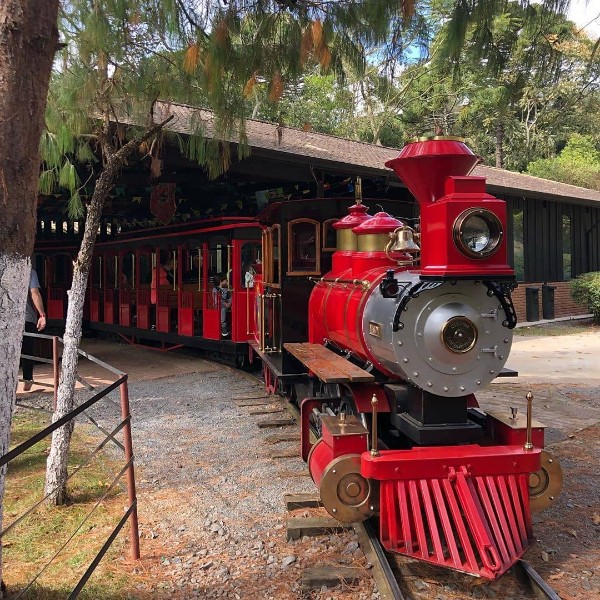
(362, 282)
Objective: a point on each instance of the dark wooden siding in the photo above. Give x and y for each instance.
(543, 237)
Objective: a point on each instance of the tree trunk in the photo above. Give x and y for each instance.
(56, 466)
(500, 144)
(56, 469)
(28, 39)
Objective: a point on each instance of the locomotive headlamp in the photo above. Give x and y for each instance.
(477, 233)
(459, 335)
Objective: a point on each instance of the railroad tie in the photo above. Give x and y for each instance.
(296, 501)
(276, 423)
(278, 438)
(298, 527)
(314, 578)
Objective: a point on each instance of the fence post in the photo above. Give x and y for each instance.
(55, 369)
(135, 540)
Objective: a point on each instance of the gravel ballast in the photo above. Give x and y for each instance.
(211, 498)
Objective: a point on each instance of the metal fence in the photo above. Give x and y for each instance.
(109, 436)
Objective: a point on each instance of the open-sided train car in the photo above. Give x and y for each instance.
(181, 285)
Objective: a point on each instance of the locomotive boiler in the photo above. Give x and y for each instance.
(426, 312)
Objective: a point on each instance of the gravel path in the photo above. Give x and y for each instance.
(211, 510)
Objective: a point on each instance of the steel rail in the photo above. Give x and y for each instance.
(387, 582)
(528, 575)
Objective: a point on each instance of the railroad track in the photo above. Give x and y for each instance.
(390, 580)
(388, 568)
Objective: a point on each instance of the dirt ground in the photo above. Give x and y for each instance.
(567, 549)
(191, 542)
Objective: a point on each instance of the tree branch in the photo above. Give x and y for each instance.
(121, 154)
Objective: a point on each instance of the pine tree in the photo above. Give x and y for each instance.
(102, 86)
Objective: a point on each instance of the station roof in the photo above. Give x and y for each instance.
(288, 144)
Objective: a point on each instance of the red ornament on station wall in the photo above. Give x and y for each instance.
(162, 202)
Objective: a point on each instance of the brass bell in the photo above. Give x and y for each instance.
(404, 241)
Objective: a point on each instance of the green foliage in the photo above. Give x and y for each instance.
(585, 290)
(114, 66)
(523, 84)
(577, 164)
(491, 28)
(120, 57)
(317, 102)
(359, 68)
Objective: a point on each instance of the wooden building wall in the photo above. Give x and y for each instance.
(543, 237)
(545, 243)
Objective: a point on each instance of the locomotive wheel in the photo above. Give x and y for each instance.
(545, 485)
(345, 493)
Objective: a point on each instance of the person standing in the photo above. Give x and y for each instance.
(35, 320)
(222, 299)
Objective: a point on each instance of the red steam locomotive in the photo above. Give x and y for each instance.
(400, 336)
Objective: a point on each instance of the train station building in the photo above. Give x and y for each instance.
(554, 228)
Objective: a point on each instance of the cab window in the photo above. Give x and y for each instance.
(304, 245)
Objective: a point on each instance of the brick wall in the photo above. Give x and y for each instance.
(564, 306)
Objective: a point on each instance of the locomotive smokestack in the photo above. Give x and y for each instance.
(424, 164)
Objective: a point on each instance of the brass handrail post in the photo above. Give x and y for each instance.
(528, 444)
(229, 270)
(248, 311)
(175, 265)
(262, 321)
(200, 264)
(116, 282)
(374, 402)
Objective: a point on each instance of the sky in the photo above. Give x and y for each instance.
(586, 14)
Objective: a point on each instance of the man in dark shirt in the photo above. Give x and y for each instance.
(35, 320)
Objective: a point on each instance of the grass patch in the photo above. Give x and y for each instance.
(29, 546)
(558, 328)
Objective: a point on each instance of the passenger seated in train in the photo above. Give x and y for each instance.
(248, 274)
(192, 276)
(167, 272)
(165, 279)
(221, 290)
